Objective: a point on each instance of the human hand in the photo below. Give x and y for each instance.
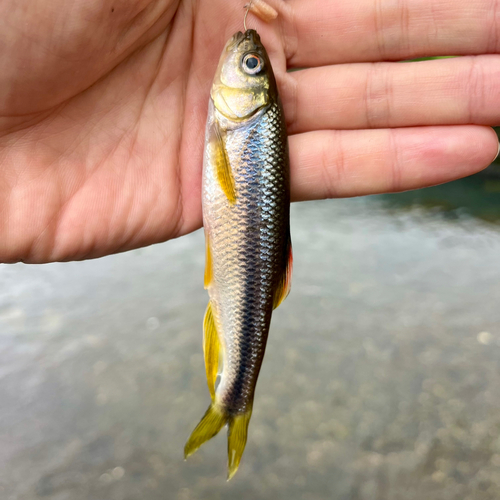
(103, 107)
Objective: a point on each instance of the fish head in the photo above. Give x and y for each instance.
(244, 82)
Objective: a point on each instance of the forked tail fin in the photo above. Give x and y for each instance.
(212, 422)
(209, 426)
(236, 441)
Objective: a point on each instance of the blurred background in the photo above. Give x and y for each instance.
(380, 382)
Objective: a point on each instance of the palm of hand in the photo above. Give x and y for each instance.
(105, 113)
(102, 127)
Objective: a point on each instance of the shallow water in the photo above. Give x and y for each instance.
(380, 380)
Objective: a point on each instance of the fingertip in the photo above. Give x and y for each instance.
(498, 147)
(343, 163)
(486, 147)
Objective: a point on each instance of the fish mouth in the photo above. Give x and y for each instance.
(252, 36)
(250, 39)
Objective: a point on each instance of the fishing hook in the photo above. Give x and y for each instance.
(247, 6)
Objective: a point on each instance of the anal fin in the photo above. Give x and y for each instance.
(211, 349)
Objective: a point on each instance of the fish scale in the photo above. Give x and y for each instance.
(246, 268)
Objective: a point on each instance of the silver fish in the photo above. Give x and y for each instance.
(246, 204)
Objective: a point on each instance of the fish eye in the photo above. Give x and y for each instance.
(252, 64)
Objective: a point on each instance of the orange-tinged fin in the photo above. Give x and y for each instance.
(236, 441)
(208, 262)
(285, 282)
(223, 167)
(211, 349)
(209, 426)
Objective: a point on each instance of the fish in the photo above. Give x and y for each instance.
(246, 218)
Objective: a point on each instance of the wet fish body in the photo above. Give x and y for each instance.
(246, 218)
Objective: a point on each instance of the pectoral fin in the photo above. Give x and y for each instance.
(222, 165)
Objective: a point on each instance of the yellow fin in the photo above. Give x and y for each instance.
(209, 426)
(236, 441)
(208, 262)
(211, 348)
(285, 282)
(223, 168)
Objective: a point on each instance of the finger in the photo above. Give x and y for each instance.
(443, 92)
(328, 164)
(319, 32)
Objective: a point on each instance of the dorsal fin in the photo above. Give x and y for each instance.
(285, 281)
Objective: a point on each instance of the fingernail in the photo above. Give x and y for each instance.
(498, 151)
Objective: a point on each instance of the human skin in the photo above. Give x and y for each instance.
(103, 106)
